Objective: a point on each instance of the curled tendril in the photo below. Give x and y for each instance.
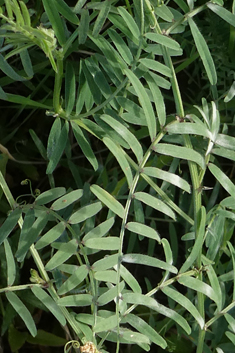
(25, 182)
(37, 192)
(71, 344)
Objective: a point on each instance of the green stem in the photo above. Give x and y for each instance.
(58, 83)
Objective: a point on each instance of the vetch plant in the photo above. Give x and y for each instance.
(139, 199)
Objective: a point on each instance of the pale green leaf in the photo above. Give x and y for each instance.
(49, 237)
(121, 158)
(49, 303)
(70, 88)
(163, 40)
(129, 279)
(188, 128)
(180, 152)
(158, 98)
(222, 178)
(106, 263)
(225, 141)
(142, 326)
(85, 145)
(24, 313)
(55, 19)
(168, 177)
(11, 267)
(204, 52)
(121, 46)
(108, 200)
(223, 13)
(148, 261)
(126, 135)
(106, 324)
(110, 295)
(67, 200)
(198, 286)
(140, 299)
(50, 195)
(185, 302)
(154, 203)
(156, 66)
(101, 18)
(101, 230)
(58, 148)
(164, 12)
(197, 247)
(66, 251)
(85, 213)
(106, 276)
(9, 224)
(214, 281)
(74, 280)
(144, 230)
(145, 103)
(130, 22)
(75, 300)
(109, 243)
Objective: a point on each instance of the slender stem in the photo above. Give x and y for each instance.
(58, 83)
(21, 287)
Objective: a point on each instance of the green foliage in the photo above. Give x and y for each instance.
(129, 245)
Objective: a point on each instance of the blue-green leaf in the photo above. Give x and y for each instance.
(85, 212)
(126, 135)
(74, 280)
(222, 178)
(142, 326)
(145, 102)
(58, 148)
(130, 22)
(11, 267)
(148, 261)
(50, 236)
(109, 243)
(63, 254)
(49, 303)
(163, 40)
(154, 203)
(56, 22)
(70, 89)
(144, 230)
(76, 300)
(24, 313)
(104, 11)
(85, 145)
(223, 13)
(108, 200)
(140, 299)
(203, 51)
(168, 177)
(9, 224)
(50, 195)
(67, 200)
(180, 152)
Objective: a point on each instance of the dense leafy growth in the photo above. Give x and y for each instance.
(119, 118)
